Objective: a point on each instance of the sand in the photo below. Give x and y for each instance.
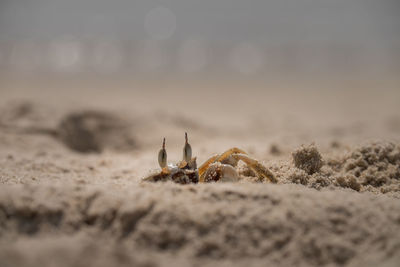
(71, 164)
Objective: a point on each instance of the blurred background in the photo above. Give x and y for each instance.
(264, 38)
(320, 61)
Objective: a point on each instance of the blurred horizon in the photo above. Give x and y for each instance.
(304, 37)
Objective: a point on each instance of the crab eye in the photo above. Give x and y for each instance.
(162, 156)
(187, 150)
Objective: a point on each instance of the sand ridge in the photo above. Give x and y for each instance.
(281, 224)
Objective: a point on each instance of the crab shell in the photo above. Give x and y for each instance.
(181, 173)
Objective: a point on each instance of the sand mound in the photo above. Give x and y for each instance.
(373, 167)
(93, 131)
(22, 116)
(83, 131)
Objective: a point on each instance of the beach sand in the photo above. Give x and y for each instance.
(72, 155)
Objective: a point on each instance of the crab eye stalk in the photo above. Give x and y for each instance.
(162, 156)
(187, 150)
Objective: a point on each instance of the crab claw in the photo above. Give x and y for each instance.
(220, 172)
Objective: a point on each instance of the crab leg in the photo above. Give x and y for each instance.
(260, 170)
(218, 158)
(205, 165)
(229, 152)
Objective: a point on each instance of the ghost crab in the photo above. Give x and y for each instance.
(220, 167)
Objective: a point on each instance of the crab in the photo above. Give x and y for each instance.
(218, 168)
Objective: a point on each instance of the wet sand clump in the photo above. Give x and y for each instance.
(308, 159)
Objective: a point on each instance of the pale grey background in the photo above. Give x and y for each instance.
(350, 21)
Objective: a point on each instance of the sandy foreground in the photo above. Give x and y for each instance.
(72, 158)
